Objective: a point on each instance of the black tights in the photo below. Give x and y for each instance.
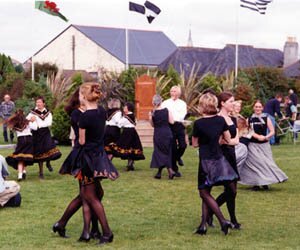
(91, 202)
(209, 203)
(229, 196)
(73, 207)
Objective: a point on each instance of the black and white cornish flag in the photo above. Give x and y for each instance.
(149, 9)
(256, 5)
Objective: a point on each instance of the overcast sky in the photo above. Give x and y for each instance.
(214, 23)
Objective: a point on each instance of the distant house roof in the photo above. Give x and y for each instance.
(185, 57)
(222, 61)
(145, 47)
(248, 56)
(292, 70)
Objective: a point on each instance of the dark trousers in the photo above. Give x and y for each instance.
(5, 135)
(14, 201)
(179, 145)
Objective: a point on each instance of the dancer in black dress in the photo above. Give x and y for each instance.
(23, 154)
(225, 105)
(129, 146)
(75, 110)
(112, 130)
(91, 163)
(214, 169)
(44, 147)
(160, 118)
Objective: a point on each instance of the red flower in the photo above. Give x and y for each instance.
(51, 6)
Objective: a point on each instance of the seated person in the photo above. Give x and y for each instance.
(9, 190)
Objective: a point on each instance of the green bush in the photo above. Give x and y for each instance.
(61, 125)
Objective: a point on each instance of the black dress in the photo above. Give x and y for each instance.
(214, 169)
(129, 145)
(112, 131)
(229, 150)
(44, 147)
(90, 161)
(162, 154)
(66, 167)
(23, 151)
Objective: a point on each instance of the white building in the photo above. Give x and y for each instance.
(91, 48)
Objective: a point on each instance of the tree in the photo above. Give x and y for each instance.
(13, 85)
(267, 81)
(42, 70)
(6, 67)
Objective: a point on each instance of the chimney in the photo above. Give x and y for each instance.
(290, 51)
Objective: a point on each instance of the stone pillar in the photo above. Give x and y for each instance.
(290, 51)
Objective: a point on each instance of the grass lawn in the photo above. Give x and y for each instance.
(145, 213)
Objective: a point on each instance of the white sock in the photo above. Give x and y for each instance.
(19, 175)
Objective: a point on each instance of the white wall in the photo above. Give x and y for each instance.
(88, 55)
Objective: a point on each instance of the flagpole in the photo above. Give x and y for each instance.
(126, 49)
(32, 68)
(237, 43)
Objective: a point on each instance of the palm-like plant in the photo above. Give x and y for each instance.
(58, 86)
(191, 89)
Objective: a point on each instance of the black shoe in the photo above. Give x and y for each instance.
(177, 174)
(106, 239)
(265, 187)
(180, 162)
(157, 176)
(171, 176)
(61, 230)
(236, 226)
(201, 230)
(84, 238)
(225, 227)
(24, 176)
(41, 176)
(96, 235)
(48, 165)
(20, 179)
(130, 168)
(255, 188)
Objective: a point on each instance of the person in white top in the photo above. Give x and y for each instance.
(178, 109)
(23, 154)
(44, 147)
(9, 190)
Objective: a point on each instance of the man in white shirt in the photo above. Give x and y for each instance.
(178, 109)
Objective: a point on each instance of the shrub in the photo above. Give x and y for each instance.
(61, 125)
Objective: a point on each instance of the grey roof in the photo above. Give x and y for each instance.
(185, 57)
(222, 61)
(145, 47)
(292, 70)
(248, 56)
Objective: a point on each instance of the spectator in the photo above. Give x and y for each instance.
(273, 106)
(9, 190)
(293, 97)
(6, 109)
(178, 109)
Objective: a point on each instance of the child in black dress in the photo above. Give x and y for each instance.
(214, 169)
(129, 145)
(23, 155)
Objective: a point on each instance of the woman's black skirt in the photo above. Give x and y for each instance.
(44, 147)
(128, 146)
(112, 135)
(89, 161)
